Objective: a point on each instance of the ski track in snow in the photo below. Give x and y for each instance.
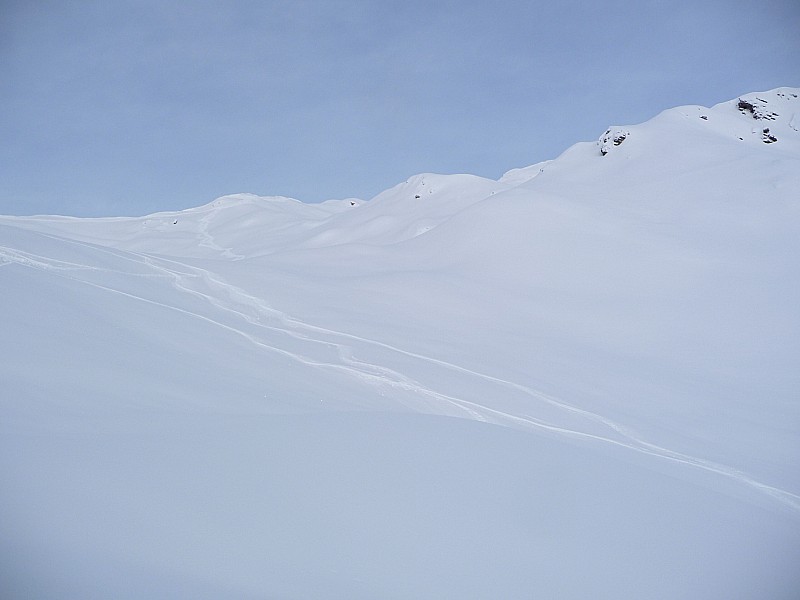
(253, 310)
(208, 241)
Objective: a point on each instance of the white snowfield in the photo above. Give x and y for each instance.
(579, 381)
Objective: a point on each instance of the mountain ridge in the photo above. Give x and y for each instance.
(759, 106)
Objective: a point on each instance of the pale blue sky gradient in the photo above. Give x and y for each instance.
(126, 108)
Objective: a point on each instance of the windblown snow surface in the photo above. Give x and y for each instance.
(579, 381)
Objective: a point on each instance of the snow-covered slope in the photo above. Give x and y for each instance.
(255, 397)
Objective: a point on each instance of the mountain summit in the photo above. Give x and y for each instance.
(759, 116)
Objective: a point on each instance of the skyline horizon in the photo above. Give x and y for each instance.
(136, 107)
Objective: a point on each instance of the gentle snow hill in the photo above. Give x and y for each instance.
(244, 226)
(254, 397)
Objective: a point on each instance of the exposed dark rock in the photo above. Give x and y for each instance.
(767, 137)
(610, 139)
(757, 111)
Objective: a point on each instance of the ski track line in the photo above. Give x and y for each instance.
(377, 375)
(21, 257)
(208, 240)
(386, 376)
(373, 373)
(262, 306)
(637, 444)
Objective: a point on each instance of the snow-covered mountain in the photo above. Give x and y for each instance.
(580, 380)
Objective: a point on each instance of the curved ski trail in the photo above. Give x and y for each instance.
(208, 241)
(621, 436)
(276, 331)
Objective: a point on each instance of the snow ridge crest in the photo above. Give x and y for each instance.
(776, 113)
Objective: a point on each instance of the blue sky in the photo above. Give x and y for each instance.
(126, 108)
